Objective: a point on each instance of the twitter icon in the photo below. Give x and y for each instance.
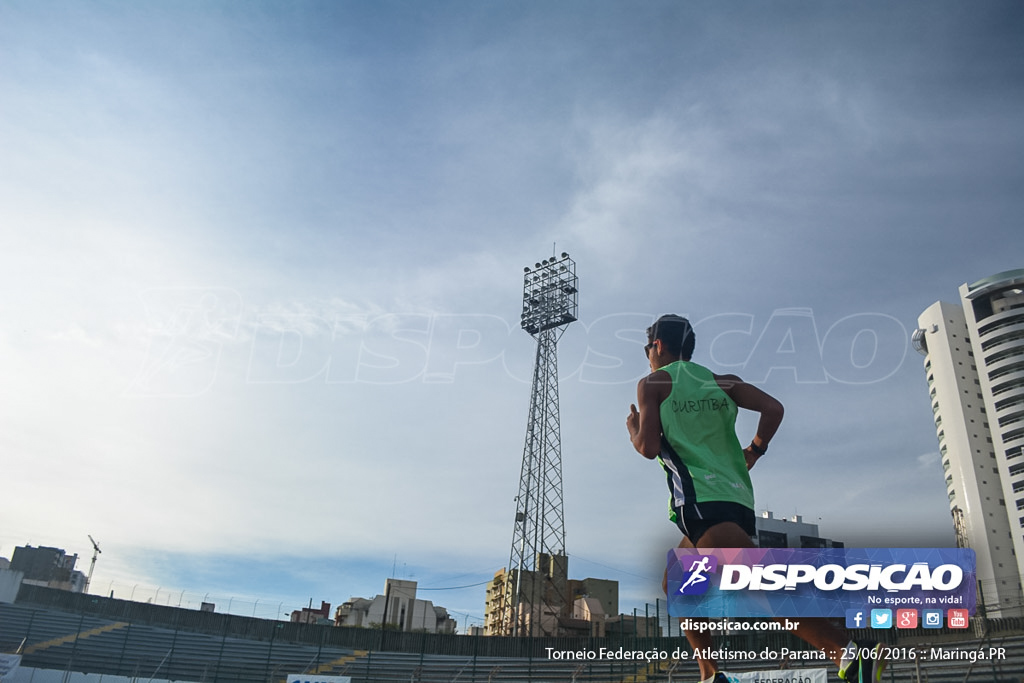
(881, 618)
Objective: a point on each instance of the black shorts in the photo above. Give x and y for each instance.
(694, 519)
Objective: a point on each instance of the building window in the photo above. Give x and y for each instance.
(772, 539)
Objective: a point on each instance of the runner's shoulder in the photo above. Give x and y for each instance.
(728, 382)
(658, 381)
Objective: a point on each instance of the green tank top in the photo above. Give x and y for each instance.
(700, 451)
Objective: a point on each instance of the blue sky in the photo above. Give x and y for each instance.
(262, 268)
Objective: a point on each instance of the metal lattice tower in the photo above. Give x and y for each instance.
(535, 592)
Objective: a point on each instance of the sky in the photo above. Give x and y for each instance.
(262, 269)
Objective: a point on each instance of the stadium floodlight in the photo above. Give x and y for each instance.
(535, 590)
(550, 295)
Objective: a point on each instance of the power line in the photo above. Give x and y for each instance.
(453, 588)
(616, 569)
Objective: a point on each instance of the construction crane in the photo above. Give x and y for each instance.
(96, 551)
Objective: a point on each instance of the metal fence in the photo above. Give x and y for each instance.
(249, 628)
(79, 632)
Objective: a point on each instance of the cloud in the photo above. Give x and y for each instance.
(628, 178)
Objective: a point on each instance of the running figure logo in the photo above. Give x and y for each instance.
(696, 580)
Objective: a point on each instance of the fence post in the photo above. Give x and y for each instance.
(476, 642)
(223, 642)
(174, 642)
(74, 646)
(28, 628)
(124, 646)
(657, 614)
(320, 646)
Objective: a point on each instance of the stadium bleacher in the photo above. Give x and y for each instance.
(88, 634)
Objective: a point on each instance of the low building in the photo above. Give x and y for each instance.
(792, 532)
(551, 604)
(590, 611)
(625, 625)
(309, 615)
(544, 599)
(605, 591)
(49, 567)
(397, 609)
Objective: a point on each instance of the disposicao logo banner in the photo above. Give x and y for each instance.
(818, 582)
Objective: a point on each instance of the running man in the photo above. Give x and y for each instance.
(697, 569)
(687, 421)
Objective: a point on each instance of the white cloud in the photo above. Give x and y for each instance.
(629, 180)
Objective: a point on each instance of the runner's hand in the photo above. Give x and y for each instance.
(751, 457)
(633, 420)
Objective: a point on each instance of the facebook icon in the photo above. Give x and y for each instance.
(855, 618)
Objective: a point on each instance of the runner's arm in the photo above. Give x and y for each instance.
(749, 397)
(644, 425)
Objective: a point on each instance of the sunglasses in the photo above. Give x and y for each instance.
(647, 349)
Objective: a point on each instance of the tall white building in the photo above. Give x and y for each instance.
(974, 363)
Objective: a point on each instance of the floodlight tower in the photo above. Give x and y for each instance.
(535, 590)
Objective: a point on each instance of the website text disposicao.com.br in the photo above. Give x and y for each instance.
(704, 625)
